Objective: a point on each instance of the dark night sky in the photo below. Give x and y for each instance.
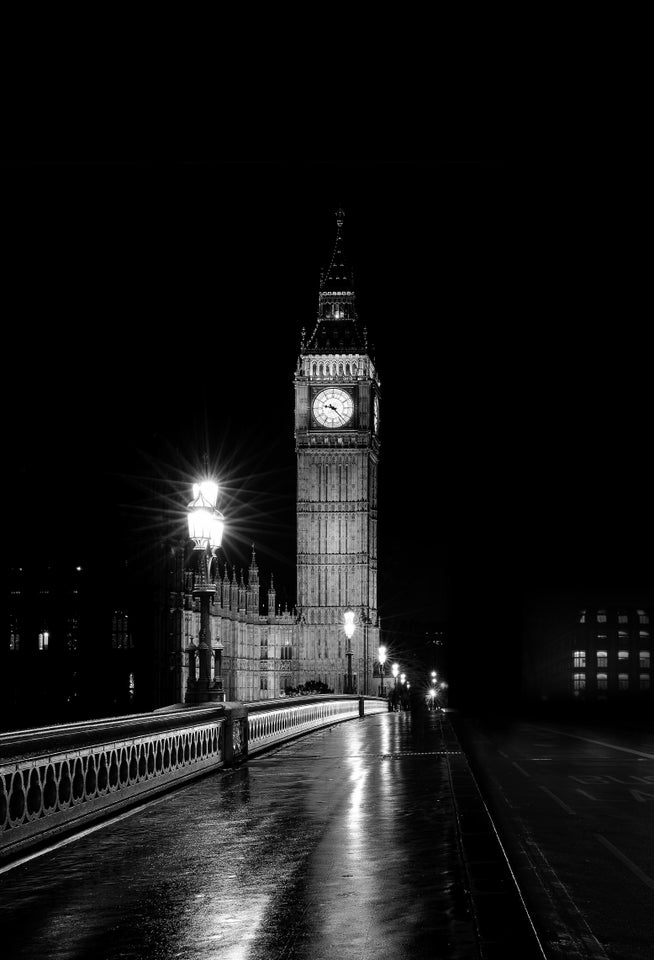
(157, 313)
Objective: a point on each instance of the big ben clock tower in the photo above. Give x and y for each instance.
(337, 398)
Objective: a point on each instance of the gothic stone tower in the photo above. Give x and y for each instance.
(337, 394)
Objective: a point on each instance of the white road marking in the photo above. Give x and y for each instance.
(585, 793)
(627, 862)
(556, 799)
(582, 940)
(602, 743)
(523, 772)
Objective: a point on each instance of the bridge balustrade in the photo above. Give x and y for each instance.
(276, 721)
(56, 780)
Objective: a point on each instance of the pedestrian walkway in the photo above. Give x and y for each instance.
(368, 839)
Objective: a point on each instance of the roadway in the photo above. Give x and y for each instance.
(366, 839)
(575, 809)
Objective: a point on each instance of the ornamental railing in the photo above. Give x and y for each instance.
(57, 780)
(271, 722)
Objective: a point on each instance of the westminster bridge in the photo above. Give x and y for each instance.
(313, 827)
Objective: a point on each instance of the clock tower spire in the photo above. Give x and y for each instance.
(337, 396)
(337, 324)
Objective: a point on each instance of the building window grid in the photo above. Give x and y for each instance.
(121, 638)
(643, 659)
(602, 681)
(579, 658)
(602, 658)
(623, 681)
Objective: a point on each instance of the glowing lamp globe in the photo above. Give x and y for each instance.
(208, 490)
(200, 521)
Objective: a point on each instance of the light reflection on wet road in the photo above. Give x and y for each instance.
(341, 843)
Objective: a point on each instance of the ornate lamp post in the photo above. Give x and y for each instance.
(349, 631)
(205, 526)
(382, 661)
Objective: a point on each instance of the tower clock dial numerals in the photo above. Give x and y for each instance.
(333, 407)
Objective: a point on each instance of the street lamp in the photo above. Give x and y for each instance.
(395, 669)
(205, 527)
(348, 626)
(382, 661)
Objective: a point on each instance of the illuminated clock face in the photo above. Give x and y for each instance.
(333, 407)
(375, 414)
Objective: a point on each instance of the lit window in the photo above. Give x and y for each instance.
(601, 616)
(44, 639)
(601, 637)
(623, 618)
(644, 681)
(602, 658)
(643, 616)
(623, 655)
(643, 659)
(643, 634)
(131, 686)
(582, 616)
(14, 633)
(602, 681)
(579, 681)
(72, 634)
(623, 634)
(623, 681)
(579, 658)
(121, 639)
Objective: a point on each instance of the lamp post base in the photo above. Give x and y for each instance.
(204, 691)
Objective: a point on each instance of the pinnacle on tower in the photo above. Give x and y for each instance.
(336, 329)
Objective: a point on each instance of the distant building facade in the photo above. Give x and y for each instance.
(598, 652)
(71, 652)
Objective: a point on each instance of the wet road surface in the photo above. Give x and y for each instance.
(366, 839)
(575, 806)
